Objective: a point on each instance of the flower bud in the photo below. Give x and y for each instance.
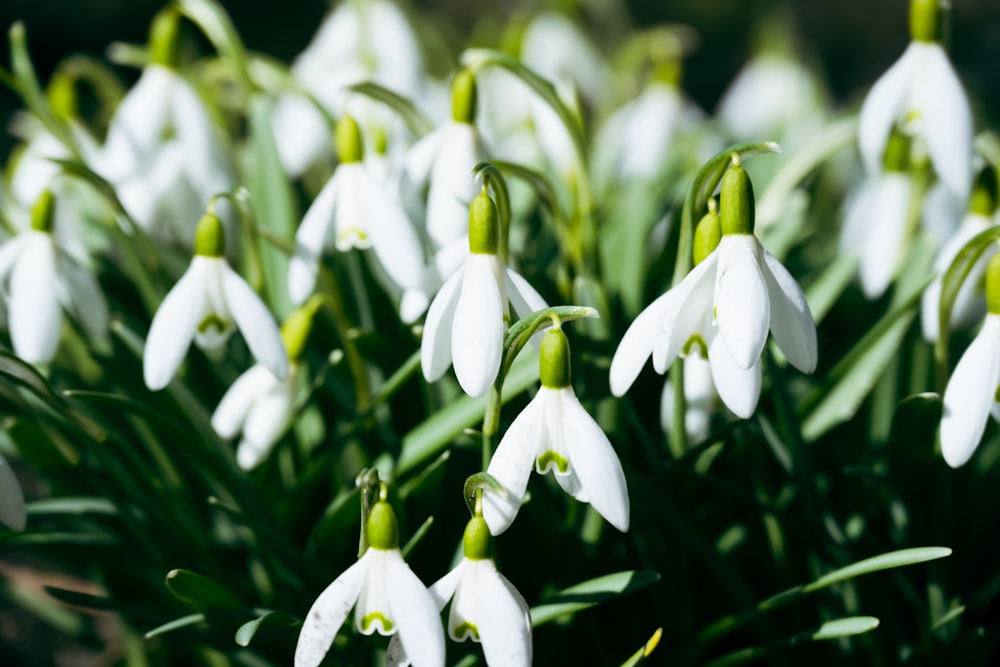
(42, 212)
(164, 35)
(925, 20)
(383, 531)
(477, 541)
(463, 97)
(484, 225)
(707, 235)
(297, 326)
(553, 361)
(210, 237)
(736, 207)
(350, 148)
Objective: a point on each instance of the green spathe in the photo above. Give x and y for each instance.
(484, 225)
(477, 541)
(925, 20)
(463, 97)
(42, 212)
(707, 235)
(736, 208)
(383, 531)
(210, 237)
(350, 147)
(553, 360)
(993, 285)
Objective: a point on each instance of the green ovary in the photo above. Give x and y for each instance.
(550, 458)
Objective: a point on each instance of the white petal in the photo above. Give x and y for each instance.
(267, 421)
(689, 313)
(452, 185)
(504, 621)
(887, 218)
(947, 120)
(435, 346)
(700, 399)
(84, 298)
(236, 403)
(882, 108)
(739, 388)
(10, 250)
(12, 512)
(792, 323)
(637, 344)
(478, 329)
(393, 237)
(420, 159)
(523, 297)
(328, 612)
(742, 308)
(416, 616)
(595, 462)
(511, 465)
(970, 393)
(255, 323)
(443, 589)
(173, 328)
(310, 241)
(300, 132)
(35, 316)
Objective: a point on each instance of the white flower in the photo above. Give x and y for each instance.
(875, 228)
(922, 95)
(387, 598)
(968, 305)
(724, 308)
(554, 432)
(559, 50)
(353, 211)
(207, 304)
(12, 512)
(443, 162)
(467, 321)
(700, 398)
(38, 280)
(971, 393)
(485, 606)
(261, 406)
(162, 154)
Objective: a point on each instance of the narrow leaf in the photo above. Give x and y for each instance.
(271, 619)
(886, 561)
(200, 591)
(591, 593)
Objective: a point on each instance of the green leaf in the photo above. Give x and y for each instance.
(845, 627)
(271, 619)
(30, 90)
(639, 657)
(80, 599)
(176, 624)
(591, 593)
(885, 561)
(200, 592)
(415, 120)
(213, 21)
(824, 291)
(81, 505)
(412, 543)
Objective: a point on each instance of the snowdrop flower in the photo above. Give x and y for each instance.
(554, 433)
(968, 305)
(700, 399)
(485, 606)
(353, 211)
(162, 152)
(723, 309)
(387, 597)
(207, 304)
(467, 320)
(876, 224)
(922, 95)
(258, 403)
(443, 162)
(971, 394)
(39, 280)
(12, 512)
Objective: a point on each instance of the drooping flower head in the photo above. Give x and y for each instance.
(555, 434)
(468, 318)
(206, 305)
(922, 96)
(386, 596)
(973, 389)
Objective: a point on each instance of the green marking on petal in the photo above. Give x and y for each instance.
(464, 630)
(549, 459)
(696, 341)
(368, 619)
(212, 321)
(353, 236)
(996, 395)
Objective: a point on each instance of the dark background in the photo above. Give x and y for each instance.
(853, 41)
